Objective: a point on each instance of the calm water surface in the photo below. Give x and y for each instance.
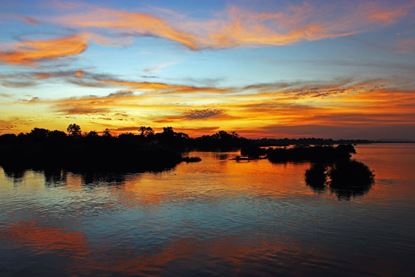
(216, 217)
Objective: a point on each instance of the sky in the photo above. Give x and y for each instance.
(262, 68)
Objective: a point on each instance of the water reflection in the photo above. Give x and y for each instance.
(14, 173)
(42, 239)
(55, 178)
(59, 177)
(216, 217)
(193, 255)
(346, 179)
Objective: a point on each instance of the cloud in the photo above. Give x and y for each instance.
(6, 126)
(5, 95)
(72, 110)
(30, 20)
(406, 45)
(203, 114)
(17, 84)
(31, 79)
(90, 79)
(121, 93)
(126, 22)
(92, 104)
(158, 67)
(158, 86)
(31, 100)
(30, 52)
(392, 132)
(196, 114)
(13, 124)
(58, 74)
(199, 131)
(341, 102)
(237, 26)
(386, 15)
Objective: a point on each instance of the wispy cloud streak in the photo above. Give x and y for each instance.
(237, 26)
(29, 52)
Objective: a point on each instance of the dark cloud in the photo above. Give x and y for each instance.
(18, 84)
(81, 110)
(355, 131)
(202, 114)
(30, 100)
(121, 93)
(6, 95)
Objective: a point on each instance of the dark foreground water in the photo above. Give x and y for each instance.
(216, 217)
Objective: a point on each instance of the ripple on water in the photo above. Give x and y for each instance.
(216, 217)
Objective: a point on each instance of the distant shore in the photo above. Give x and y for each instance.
(147, 150)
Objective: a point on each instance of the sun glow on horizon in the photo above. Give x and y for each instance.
(277, 70)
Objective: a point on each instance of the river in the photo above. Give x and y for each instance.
(213, 218)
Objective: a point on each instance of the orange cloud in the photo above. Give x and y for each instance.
(342, 102)
(386, 15)
(406, 45)
(197, 115)
(134, 23)
(239, 27)
(31, 51)
(48, 75)
(154, 86)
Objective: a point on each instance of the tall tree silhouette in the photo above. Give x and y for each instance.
(107, 133)
(146, 131)
(74, 130)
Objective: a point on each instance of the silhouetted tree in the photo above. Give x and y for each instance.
(39, 133)
(74, 130)
(350, 178)
(107, 133)
(145, 131)
(316, 177)
(346, 178)
(311, 153)
(168, 131)
(92, 134)
(57, 135)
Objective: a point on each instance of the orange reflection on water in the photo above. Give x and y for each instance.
(73, 182)
(31, 234)
(228, 250)
(212, 179)
(233, 252)
(392, 165)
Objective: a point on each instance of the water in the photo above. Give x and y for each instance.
(217, 217)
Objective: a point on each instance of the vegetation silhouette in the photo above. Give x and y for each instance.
(345, 178)
(316, 177)
(311, 153)
(297, 153)
(44, 149)
(309, 141)
(76, 151)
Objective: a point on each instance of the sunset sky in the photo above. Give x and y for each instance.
(263, 68)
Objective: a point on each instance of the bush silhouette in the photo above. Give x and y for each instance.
(351, 178)
(346, 178)
(316, 177)
(311, 153)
